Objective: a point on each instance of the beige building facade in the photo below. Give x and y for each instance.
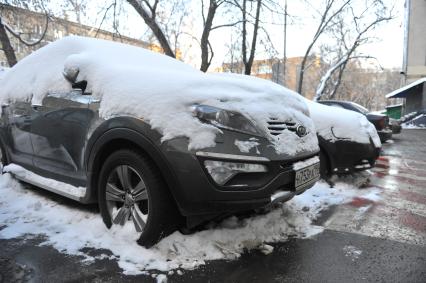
(414, 65)
(272, 69)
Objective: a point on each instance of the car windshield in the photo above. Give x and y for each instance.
(360, 108)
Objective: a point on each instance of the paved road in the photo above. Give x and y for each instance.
(364, 241)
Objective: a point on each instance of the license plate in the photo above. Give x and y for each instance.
(307, 175)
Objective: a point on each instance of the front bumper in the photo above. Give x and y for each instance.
(197, 193)
(385, 134)
(396, 128)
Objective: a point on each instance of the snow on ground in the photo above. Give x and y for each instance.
(352, 252)
(24, 212)
(418, 122)
(64, 188)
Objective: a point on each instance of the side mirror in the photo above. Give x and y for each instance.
(71, 74)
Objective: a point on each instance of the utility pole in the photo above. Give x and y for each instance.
(285, 41)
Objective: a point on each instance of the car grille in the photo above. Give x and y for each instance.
(276, 127)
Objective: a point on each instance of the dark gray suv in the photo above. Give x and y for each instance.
(64, 144)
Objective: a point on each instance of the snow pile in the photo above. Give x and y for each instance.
(161, 90)
(334, 123)
(305, 163)
(418, 122)
(70, 229)
(246, 146)
(64, 188)
(408, 116)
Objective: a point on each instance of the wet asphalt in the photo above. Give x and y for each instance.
(331, 256)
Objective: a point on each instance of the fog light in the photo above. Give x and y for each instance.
(222, 172)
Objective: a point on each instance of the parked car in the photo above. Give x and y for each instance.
(153, 141)
(347, 140)
(380, 121)
(395, 126)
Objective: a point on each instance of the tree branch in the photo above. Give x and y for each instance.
(152, 24)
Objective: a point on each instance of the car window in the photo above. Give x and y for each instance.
(360, 108)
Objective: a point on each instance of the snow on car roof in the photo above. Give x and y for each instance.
(138, 82)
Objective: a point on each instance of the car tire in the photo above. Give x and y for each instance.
(324, 165)
(130, 188)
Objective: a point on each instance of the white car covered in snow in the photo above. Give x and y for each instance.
(347, 140)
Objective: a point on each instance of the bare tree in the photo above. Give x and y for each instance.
(7, 48)
(331, 9)
(148, 12)
(252, 30)
(76, 7)
(206, 48)
(205, 43)
(350, 35)
(7, 32)
(367, 86)
(248, 62)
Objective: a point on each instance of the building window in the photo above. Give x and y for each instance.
(264, 69)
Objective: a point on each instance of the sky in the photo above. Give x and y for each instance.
(387, 48)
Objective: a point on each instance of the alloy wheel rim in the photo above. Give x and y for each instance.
(127, 197)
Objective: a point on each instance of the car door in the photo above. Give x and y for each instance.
(59, 132)
(19, 129)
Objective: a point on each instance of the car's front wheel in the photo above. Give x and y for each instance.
(324, 165)
(132, 190)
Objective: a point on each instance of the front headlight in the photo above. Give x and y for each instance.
(222, 171)
(224, 119)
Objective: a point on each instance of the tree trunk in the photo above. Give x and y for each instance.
(302, 73)
(7, 47)
(155, 28)
(243, 45)
(249, 64)
(205, 62)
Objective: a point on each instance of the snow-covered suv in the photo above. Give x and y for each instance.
(152, 140)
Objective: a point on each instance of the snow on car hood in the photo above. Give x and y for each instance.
(334, 123)
(161, 90)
